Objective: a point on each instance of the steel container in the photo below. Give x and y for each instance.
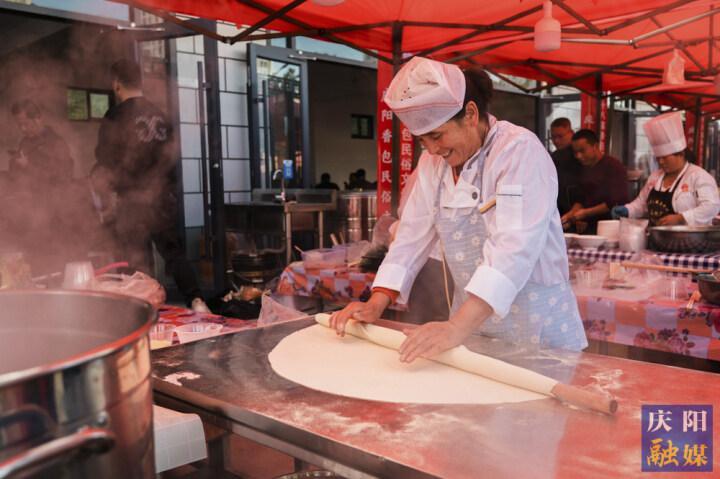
(75, 392)
(358, 213)
(709, 288)
(685, 239)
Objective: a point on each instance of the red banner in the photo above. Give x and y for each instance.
(385, 156)
(588, 117)
(691, 124)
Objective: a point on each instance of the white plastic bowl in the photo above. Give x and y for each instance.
(196, 331)
(590, 241)
(570, 239)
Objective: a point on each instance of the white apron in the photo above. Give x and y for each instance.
(541, 316)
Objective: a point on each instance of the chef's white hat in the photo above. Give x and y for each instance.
(665, 133)
(425, 94)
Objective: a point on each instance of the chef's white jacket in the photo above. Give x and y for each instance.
(525, 237)
(695, 198)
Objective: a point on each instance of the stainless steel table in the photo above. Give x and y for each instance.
(229, 382)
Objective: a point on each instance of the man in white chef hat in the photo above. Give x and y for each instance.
(486, 193)
(678, 193)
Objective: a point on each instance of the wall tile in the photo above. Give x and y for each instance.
(190, 140)
(238, 142)
(236, 73)
(188, 105)
(191, 176)
(233, 109)
(236, 174)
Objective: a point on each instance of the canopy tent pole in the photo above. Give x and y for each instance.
(214, 136)
(276, 14)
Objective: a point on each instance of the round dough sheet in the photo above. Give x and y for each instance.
(317, 358)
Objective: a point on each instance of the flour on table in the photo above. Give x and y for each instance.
(317, 358)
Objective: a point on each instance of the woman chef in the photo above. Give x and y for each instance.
(508, 263)
(679, 192)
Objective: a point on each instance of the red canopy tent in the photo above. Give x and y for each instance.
(609, 47)
(627, 42)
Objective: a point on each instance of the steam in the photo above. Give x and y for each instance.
(53, 222)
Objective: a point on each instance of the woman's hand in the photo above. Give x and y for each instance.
(670, 220)
(368, 312)
(431, 339)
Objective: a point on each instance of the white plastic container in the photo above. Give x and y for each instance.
(324, 258)
(196, 331)
(610, 229)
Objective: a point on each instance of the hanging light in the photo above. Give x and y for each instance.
(327, 3)
(547, 30)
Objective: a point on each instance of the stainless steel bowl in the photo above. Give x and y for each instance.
(709, 288)
(685, 239)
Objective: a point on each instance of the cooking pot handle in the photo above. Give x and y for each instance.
(94, 440)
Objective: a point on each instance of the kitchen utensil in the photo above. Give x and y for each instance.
(589, 241)
(685, 239)
(197, 331)
(75, 385)
(324, 258)
(709, 288)
(694, 298)
(462, 358)
(487, 206)
(570, 239)
(666, 269)
(78, 275)
(676, 288)
(161, 335)
(610, 229)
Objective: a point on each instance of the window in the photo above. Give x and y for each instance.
(362, 127)
(85, 105)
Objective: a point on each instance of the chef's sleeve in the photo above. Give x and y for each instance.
(707, 200)
(513, 246)
(637, 208)
(415, 236)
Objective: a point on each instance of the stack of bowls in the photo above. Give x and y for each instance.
(610, 230)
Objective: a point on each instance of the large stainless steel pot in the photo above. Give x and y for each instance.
(685, 239)
(75, 392)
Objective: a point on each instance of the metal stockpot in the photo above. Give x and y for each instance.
(75, 392)
(685, 239)
(358, 213)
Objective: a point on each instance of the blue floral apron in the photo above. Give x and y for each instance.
(541, 316)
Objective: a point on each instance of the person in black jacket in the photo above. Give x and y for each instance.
(136, 145)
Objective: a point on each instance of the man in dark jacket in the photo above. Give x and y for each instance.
(603, 181)
(136, 145)
(568, 169)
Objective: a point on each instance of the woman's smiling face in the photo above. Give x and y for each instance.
(455, 140)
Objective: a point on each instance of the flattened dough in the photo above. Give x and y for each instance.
(316, 358)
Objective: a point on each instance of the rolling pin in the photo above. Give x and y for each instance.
(462, 358)
(667, 269)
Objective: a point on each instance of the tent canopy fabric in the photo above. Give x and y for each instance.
(627, 42)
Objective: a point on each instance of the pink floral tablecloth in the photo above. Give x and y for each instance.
(655, 323)
(338, 285)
